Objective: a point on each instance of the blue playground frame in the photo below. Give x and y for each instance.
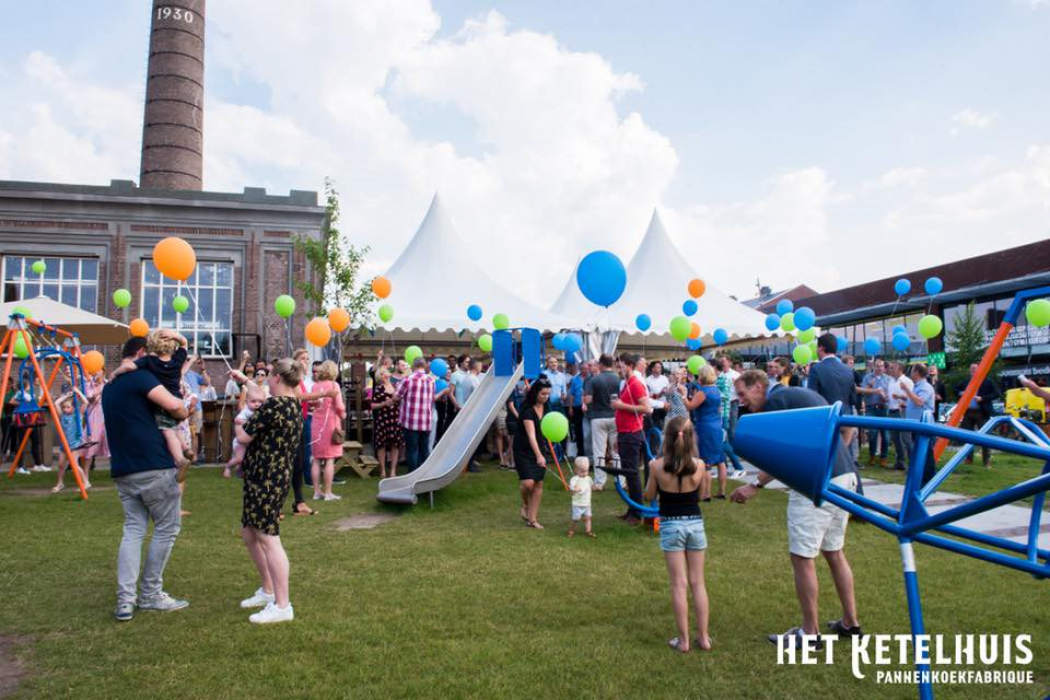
(798, 447)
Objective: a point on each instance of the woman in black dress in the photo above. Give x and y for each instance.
(272, 436)
(389, 438)
(531, 451)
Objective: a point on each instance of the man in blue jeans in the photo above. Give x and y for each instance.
(875, 389)
(145, 475)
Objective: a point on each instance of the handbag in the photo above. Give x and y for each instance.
(338, 436)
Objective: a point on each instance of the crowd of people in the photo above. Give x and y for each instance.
(628, 418)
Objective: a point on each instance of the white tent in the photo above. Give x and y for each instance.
(92, 329)
(435, 279)
(657, 280)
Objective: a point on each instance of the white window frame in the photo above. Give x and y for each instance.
(187, 323)
(38, 282)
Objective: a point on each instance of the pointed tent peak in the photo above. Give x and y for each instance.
(435, 232)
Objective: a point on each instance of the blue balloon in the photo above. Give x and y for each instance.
(438, 367)
(693, 344)
(872, 346)
(474, 312)
(841, 343)
(571, 343)
(601, 277)
(933, 285)
(558, 340)
(901, 342)
(720, 335)
(440, 385)
(772, 322)
(900, 329)
(784, 306)
(689, 307)
(902, 287)
(643, 322)
(805, 318)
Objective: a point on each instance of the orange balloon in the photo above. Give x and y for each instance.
(318, 332)
(697, 288)
(92, 361)
(139, 328)
(339, 320)
(694, 331)
(174, 258)
(381, 287)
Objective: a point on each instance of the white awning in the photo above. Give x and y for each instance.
(92, 329)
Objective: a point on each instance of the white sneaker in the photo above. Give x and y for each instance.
(272, 613)
(259, 599)
(332, 497)
(318, 497)
(41, 468)
(739, 475)
(21, 470)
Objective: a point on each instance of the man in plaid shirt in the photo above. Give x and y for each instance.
(416, 394)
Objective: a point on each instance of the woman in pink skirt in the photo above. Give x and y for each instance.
(328, 414)
(96, 446)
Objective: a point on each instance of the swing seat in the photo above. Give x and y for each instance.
(28, 414)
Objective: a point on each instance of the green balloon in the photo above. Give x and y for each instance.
(284, 305)
(21, 350)
(22, 310)
(554, 426)
(180, 304)
(787, 321)
(1038, 312)
(386, 312)
(39, 267)
(121, 298)
(412, 352)
(807, 335)
(500, 322)
(802, 354)
(694, 364)
(930, 326)
(680, 328)
(485, 343)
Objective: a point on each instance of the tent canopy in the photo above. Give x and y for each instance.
(435, 279)
(657, 280)
(92, 329)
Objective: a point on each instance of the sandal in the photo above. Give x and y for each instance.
(57, 487)
(700, 645)
(676, 644)
(524, 515)
(570, 534)
(298, 509)
(591, 535)
(534, 524)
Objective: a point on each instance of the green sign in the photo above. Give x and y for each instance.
(936, 359)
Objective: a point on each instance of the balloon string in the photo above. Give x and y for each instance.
(200, 322)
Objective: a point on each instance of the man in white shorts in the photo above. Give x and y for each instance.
(811, 529)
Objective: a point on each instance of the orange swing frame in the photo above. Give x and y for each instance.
(18, 328)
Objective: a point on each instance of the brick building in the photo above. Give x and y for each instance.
(96, 239)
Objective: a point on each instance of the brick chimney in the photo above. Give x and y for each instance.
(173, 124)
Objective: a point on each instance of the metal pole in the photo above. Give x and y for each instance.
(911, 586)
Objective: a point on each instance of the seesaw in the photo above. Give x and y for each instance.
(798, 447)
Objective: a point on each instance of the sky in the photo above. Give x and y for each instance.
(825, 142)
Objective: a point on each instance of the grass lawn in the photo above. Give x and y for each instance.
(459, 601)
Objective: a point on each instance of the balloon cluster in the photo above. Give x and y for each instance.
(569, 343)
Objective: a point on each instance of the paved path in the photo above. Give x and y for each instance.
(1010, 522)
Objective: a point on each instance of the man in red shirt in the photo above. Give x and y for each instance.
(631, 405)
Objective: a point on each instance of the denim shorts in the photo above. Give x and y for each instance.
(683, 534)
(581, 512)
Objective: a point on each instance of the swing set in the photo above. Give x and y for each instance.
(31, 412)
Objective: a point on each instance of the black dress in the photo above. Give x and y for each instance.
(276, 429)
(387, 430)
(524, 458)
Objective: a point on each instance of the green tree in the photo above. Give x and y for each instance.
(336, 265)
(967, 342)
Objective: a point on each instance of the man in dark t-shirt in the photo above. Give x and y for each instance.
(598, 394)
(145, 475)
(811, 529)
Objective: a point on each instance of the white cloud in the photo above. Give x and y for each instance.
(898, 177)
(971, 119)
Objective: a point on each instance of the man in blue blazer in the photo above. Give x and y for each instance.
(833, 380)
